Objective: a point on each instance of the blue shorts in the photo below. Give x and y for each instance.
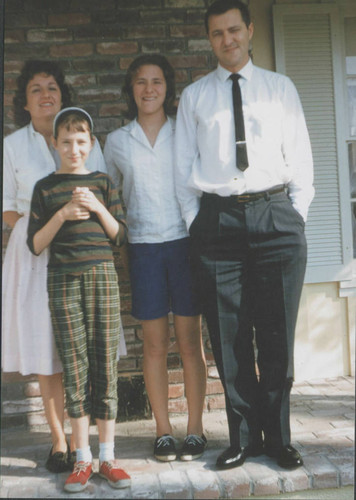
(161, 280)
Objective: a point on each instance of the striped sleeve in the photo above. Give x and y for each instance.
(37, 216)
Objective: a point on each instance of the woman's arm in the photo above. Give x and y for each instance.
(10, 217)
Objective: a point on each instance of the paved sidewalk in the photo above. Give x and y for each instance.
(322, 416)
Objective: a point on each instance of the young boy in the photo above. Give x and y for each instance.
(77, 213)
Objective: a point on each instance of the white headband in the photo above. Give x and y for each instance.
(68, 110)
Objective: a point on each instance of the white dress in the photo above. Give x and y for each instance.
(27, 339)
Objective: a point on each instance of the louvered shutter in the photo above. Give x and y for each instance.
(308, 49)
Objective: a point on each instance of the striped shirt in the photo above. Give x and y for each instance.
(78, 245)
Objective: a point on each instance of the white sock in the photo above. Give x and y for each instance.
(84, 455)
(106, 452)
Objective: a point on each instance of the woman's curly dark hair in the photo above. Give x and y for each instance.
(29, 70)
(168, 72)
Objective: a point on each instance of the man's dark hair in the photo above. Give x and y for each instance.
(29, 70)
(168, 72)
(221, 6)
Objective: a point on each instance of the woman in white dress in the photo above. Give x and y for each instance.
(27, 340)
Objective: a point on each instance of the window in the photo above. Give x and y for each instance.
(311, 43)
(350, 49)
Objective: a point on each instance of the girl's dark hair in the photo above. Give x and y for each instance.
(168, 72)
(221, 6)
(29, 70)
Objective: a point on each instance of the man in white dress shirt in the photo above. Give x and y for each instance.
(246, 223)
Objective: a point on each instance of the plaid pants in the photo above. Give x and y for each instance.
(85, 311)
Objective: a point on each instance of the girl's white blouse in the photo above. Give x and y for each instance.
(146, 176)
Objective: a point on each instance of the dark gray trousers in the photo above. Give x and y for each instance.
(249, 260)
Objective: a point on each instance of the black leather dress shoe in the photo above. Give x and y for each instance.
(235, 457)
(287, 456)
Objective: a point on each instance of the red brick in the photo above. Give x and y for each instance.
(173, 347)
(72, 50)
(213, 372)
(49, 35)
(173, 361)
(175, 376)
(175, 391)
(80, 80)
(209, 357)
(134, 350)
(27, 20)
(236, 485)
(125, 62)
(214, 387)
(187, 31)
(10, 84)
(181, 76)
(68, 19)
(170, 46)
(159, 16)
(185, 3)
(94, 4)
(191, 61)
(14, 36)
(130, 335)
(116, 109)
(199, 45)
(216, 402)
(177, 406)
(125, 364)
(98, 95)
(12, 66)
(145, 32)
(139, 333)
(196, 75)
(117, 48)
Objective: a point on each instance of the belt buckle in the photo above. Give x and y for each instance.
(242, 198)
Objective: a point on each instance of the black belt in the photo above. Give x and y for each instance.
(244, 198)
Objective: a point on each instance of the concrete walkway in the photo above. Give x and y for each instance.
(322, 417)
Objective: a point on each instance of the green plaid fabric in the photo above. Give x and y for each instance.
(85, 311)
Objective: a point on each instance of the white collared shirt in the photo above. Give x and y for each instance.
(146, 174)
(27, 159)
(278, 145)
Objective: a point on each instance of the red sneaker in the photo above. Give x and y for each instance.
(78, 479)
(116, 477)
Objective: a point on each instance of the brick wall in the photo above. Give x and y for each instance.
(95, 42)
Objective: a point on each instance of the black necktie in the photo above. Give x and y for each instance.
(241, 152)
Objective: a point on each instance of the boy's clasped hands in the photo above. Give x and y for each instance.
(82, 203)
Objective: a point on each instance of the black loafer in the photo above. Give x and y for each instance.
(287, 456)
(235, 457)
(58, 462)
(232, 457)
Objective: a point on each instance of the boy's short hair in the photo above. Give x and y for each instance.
(72, 117)
(221, 6)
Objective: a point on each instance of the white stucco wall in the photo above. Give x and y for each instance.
(325, 335)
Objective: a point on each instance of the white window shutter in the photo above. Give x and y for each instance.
(308, 49)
